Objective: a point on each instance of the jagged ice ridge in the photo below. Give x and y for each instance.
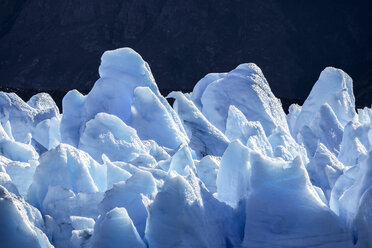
(223, 167)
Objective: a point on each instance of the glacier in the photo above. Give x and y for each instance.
(224, 166)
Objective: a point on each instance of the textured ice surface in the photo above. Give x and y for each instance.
(72, 105)
(115, 173)
(47, 133)
(246, 88)
(355, 143)
(21, 174)
(121, 72)
(324, 169)
(335, 88)
(201, 85)
(351, 198)
(182, 161)
(132, 195)
(346, 194)
(285, 146)
(204, 137)
(71, 168)
(207, 169)
(233, 175)
(362, 224)
(21, 225)
(149, 115)
(6, 182)
(107, 134)
(44, 103)
(223, 167)
(326, 111)
(115, 229)
(183, 202)
(19, 118)
(249, 133)
(327, 128)
(284, 210)
(19, 161)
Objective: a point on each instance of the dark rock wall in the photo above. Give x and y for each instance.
(56, 45)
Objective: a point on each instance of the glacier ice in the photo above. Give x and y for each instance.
(21, 173)
(149, 115)
(284, 210)
(182, 160)
(350, 198)
(184, 203)
(6, 182)
(205, 139)
(282, 141)
(250, 133)
(44, 103)
(201, 85)
(335, 88)
(324, 169)
(80, 223)
(115, 229)
(327, 128)
(328, 108)
(355, 143)
(346, 194)
(19, 118)
(362, 224)
(19, 161)
(72, 105)
(243, 87)
(107, 134)
(207, 170)
(18, 151)
(21, 224)
(115, 173)
(73, 170)
(233, 175)
(223, 167)
(133, 195)
(294, 111)
(47, 133)
(122, 71)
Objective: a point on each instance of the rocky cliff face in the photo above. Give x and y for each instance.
(57, 44)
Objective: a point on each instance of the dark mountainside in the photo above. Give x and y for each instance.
(56, 46)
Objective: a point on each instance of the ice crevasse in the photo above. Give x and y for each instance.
(223, 167)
